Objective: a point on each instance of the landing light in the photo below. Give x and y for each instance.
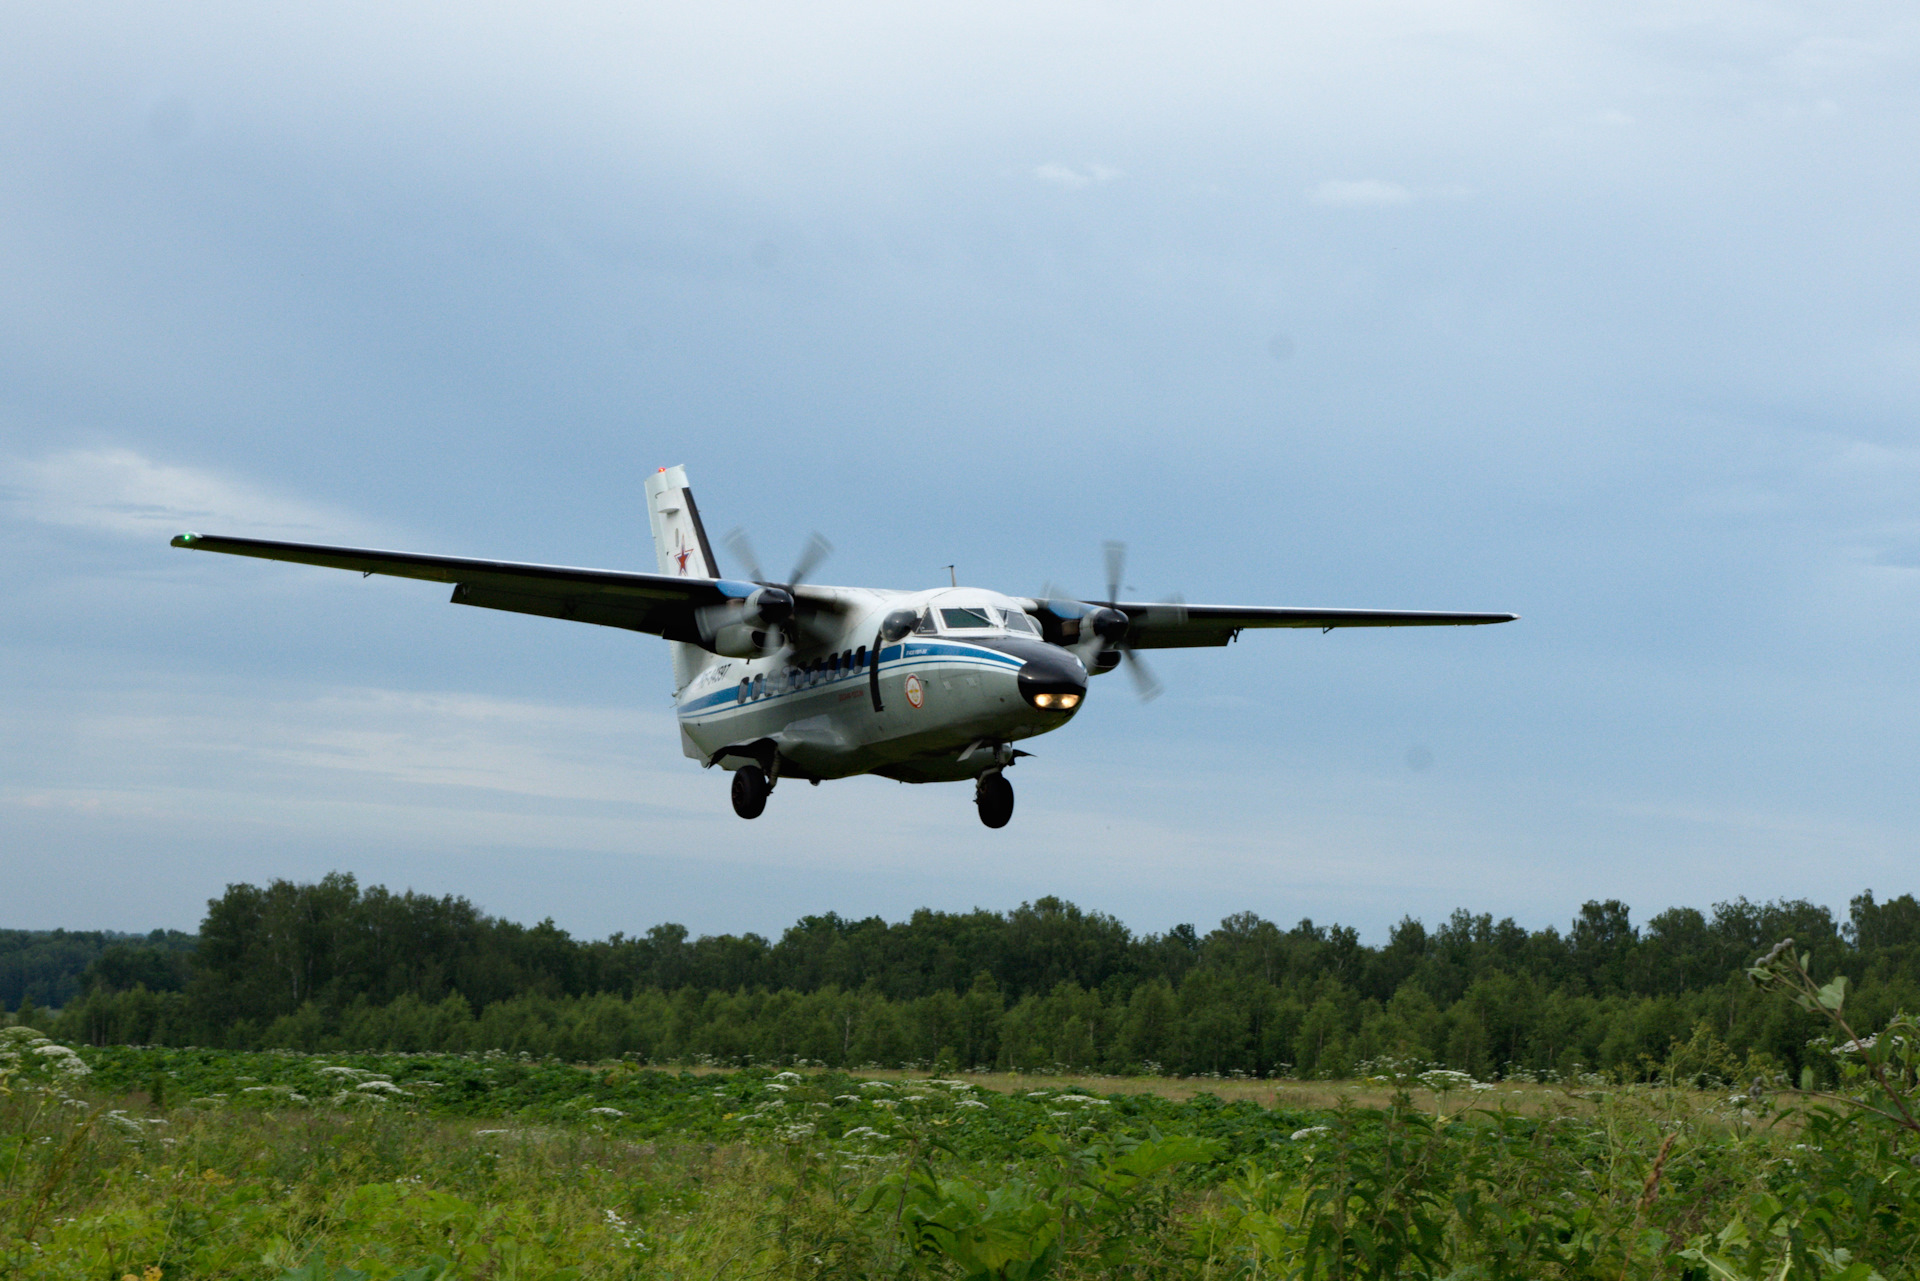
(1065, 702)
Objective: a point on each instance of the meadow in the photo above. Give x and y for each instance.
(166, 1163)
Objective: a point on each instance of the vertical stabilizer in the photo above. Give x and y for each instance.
(680, 546)
(679, 541)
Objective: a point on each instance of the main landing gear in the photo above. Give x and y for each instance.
(993, 794)
(750, 791)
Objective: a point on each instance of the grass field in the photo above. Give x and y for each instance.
(167, 1164)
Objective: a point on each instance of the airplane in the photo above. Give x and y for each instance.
(785, 679)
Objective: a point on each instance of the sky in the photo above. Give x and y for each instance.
(1605, 314)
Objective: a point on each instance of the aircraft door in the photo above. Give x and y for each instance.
(892, 628)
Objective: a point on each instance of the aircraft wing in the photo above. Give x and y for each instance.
(1177, 626)
(660, 604)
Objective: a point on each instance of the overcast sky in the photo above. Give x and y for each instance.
(1604, 314)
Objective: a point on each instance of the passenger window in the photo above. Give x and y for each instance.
(860, 658)
(740, 695)
(759, 686)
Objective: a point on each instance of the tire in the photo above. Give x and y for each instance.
(994, 796)
(750, 791)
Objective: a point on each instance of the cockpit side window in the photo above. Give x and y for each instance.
(1017, 621)
(926, 626)
(959, 618)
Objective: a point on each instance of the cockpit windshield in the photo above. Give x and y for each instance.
(966, 618)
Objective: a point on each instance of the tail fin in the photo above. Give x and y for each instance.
(681, 547)
(679, 540)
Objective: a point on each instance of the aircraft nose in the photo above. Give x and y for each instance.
(1055, 681)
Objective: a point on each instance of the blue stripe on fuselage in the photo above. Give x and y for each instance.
(910, 655)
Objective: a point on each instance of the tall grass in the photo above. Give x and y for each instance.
(409, 1169)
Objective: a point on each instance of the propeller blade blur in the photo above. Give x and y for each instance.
(816, 550)
(1145, 683)
(742, 548)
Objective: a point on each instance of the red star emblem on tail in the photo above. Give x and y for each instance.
(683, 553)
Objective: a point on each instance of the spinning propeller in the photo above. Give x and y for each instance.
(744, 628)
(816, 550)
(1104, 626)
(781, 595)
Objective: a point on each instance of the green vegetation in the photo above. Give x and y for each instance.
(329, 966)
(52, 967)
(170, 1163)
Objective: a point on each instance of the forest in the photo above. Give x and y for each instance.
(333, 966)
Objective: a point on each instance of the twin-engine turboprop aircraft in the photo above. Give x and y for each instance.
(787, 679)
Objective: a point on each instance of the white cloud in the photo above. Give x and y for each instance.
(120, 491)
(1073, 179)
(1361, 193)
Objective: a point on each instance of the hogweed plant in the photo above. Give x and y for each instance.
(1883, 1068)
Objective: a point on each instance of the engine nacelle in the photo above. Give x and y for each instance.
(748, 626)
(743, 640)
(767, 607)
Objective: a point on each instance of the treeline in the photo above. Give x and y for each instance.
(330, 966)
(48, 967)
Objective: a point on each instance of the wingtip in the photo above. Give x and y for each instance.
(185, 540)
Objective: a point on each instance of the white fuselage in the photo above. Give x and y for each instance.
(950, 700)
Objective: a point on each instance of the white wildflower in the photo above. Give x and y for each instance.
(1308, 1133)
(612, 1112)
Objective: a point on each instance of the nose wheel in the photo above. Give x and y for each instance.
(993, 794)
(750, 789)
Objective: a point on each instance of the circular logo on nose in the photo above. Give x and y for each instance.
(916, 695)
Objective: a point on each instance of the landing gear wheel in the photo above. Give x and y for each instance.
(750, 788)
(994, 795)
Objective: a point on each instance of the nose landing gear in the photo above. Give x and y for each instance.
(993, 794)
(750, 789)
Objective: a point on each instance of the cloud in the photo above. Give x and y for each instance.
(1070, 178)
(120, 491)
(1362, 193)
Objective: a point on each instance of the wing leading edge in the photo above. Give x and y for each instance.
(1180, 626)
(659, 604)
